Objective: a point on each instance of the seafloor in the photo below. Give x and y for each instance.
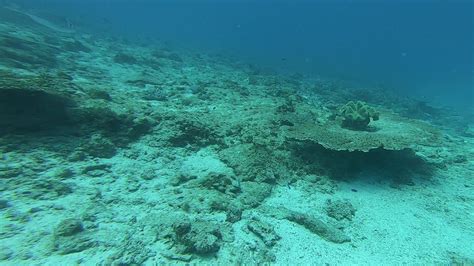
(118, 153)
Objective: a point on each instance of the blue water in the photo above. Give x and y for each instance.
(421, 48)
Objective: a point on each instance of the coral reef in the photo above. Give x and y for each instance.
(171, 157)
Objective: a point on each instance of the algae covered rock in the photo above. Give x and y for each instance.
(340, 209)
(69, 227)
(191, 131)
(70, 236)
(256, 162)
(132, 250)
(47, 189)
(318, 227)
(313, 224)
(264, 231)
(253, 193)
(4, 204)
(357, 115)
(123, 58)
(223, 183)
(197, 237)
(233, 213)
(100, 146)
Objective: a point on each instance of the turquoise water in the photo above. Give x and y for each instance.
(236, 133)
(417, 48)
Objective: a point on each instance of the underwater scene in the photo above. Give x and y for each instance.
(236, 132)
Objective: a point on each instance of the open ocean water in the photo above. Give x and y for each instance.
(236, 132)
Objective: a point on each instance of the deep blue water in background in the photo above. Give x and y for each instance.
(421, 48)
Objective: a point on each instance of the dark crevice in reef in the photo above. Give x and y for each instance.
(396, 165)
(189, 132)
(27, 111)
(43, 111)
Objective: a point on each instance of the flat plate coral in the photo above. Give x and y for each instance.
(391, 133)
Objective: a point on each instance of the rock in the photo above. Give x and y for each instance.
(100, 94)
(73, 244)
(69, 227)
(64, 173)
(233, 213)
(123, 58)
(132, 251)
(256, 163)
(70, 237)
(35, 210)
(96, 170)
(264, 231)
(10, 172)
(139, 127)
(323, 184)
(148, 174)
(318, 227)
(4, 204)
(340, 209)
(76, 46)
(220, 182)
(251, 254)
(253, 193)
(191, 131)
(458, 259)
(15, 215)
(5, 253)
(77, 156)
(173, 256)
(48, 189)
(200, 237)
(182, 178)
(313, 224)
(99, 146)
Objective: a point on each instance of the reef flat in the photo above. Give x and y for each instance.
(117, 153)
